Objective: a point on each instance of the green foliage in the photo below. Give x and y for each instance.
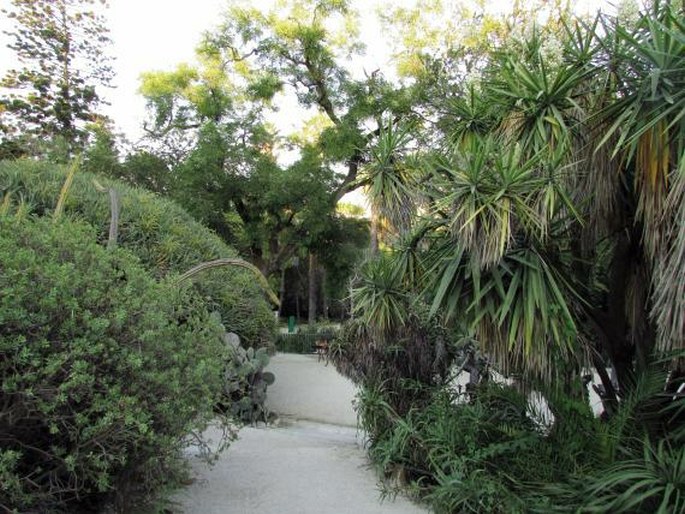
(101, 156)
(460, 454)
(104, 371)
(483, 452)
(654, 483)
(340, 249)
(404, 358)
(12, 149)
(388, 178)
(146, 170)
(163, 236)
(305, 339)
(493, 449)
(551, 198)
(378, 300)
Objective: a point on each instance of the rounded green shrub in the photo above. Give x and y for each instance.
(161, 234)
(103, 370)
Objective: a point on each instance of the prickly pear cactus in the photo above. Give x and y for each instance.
(246, 381)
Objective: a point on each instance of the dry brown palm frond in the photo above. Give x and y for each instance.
(652, 163)
(512, 126)
(486, 231)
(599, 193)
(669, 290)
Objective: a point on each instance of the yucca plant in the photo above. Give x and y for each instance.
(647, 116)
(491, 260)
(470, 115)
(378, 299)
(552, 233)
(388, 180)
(544, 110)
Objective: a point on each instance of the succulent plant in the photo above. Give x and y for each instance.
(246, 381)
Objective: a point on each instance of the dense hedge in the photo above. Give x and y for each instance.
(160, 233)
(104, 370)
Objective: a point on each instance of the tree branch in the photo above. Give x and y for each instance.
(323, 98)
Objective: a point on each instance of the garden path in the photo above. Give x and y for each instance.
(311, 462)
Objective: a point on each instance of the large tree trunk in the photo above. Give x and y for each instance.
(324, 296)
(618, 346)
(281, 293)
(313, 284)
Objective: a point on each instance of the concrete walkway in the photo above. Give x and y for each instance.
(311, 463)
(306, 388)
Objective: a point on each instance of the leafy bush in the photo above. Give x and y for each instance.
(482, 451)
(407, 362)
(461, 456)
(104, 371)
(163, 236)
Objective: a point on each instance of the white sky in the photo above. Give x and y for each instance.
(151, 35)
(159, 34)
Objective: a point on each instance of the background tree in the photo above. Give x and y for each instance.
(209, 122)
(60, 45)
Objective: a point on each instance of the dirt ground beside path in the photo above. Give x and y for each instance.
(310, 463)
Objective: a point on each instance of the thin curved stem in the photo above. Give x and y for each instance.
(232, 262)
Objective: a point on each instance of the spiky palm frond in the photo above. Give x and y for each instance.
(521, 310)
(470, 115)
(407, 260)
(544, 112)
(481, 197)
(645, 132)
(378, 299)
(389, 180)
(447, 275)
(652, 100)
(647, 118)
(490, 192)
(654, 483)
